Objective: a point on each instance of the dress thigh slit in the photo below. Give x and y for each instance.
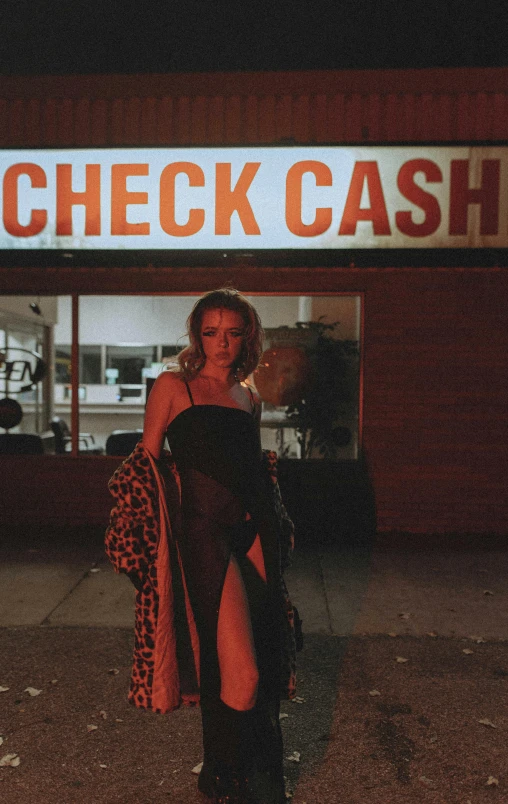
(214, 528)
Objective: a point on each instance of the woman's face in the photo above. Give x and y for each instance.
(222, 337)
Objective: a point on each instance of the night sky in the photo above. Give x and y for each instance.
(67, 36)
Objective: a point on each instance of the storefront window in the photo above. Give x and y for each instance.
(308, 378)
(89, 364)
(62, 364)
(90, 371)
(26, 368)
(128, 362)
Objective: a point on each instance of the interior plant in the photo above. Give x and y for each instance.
(330, 392)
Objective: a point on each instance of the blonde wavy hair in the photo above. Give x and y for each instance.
(192, 359)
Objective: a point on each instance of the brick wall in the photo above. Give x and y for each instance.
(436, 398)
(55, 490)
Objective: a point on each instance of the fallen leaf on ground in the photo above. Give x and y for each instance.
(294, 757)
(95, 569)
(492, 780)
(91, 727)
(468, 651)
(103, 766)
(298, 699)
(431, 633)
(197, 768)
(32, 691)
(4, 689)
(54, 681)
(405, 615)
(103, 714)
(10, 759)
(487, 592)
(283, 715)
(486, 722)
(118, 719)
(374, 693)
(113, 671)
(401, 660)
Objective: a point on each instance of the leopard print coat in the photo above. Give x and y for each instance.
(142, 541)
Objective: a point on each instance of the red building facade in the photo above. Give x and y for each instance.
(435, 387)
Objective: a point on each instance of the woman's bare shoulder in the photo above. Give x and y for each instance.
(169, 380)
(168, 375)
(168, 389)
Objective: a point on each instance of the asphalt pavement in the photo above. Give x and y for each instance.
(403, 680)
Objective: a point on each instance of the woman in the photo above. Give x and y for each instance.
(229, 545)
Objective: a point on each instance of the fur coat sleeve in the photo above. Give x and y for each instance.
(286, 527)
(141, 541)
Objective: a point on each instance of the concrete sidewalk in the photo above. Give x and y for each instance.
(403, 681)
(338, 591)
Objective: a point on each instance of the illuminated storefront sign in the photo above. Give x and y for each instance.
(255, 198)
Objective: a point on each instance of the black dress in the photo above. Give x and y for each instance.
(217, 452)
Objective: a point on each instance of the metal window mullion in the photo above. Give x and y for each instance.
(103, 363)
(7, 337)
(75, 377)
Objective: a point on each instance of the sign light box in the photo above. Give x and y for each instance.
(255, 198)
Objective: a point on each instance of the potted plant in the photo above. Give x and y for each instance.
(329, 395)
(312, 379)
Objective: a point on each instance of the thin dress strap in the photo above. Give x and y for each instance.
(251, 399)
(189, 392)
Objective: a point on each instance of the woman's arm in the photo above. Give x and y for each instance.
(158, 411)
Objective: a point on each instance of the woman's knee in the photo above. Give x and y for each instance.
(239, 690)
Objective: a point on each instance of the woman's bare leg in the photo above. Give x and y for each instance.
(235, 643)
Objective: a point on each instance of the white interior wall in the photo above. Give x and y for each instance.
(161, 319)
(126, 319)
(151, 319)
(276, 311)
(344, 309)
